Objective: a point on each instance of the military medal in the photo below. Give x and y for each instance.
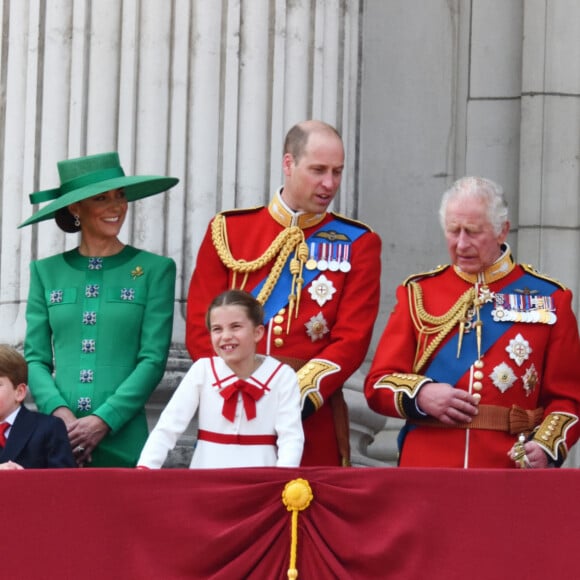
(317, 327)
(530, 380)
(524, 307)
(321, 290)
(519, 349)
(334, 263)
(344, 262)
(311, 262)
(503, 377)
(323, 262)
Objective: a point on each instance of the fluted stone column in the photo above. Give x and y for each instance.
(549, 194)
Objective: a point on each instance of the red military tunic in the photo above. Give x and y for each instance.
(326, 330)
(527, 356)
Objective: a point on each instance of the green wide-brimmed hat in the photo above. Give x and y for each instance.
(84, 177)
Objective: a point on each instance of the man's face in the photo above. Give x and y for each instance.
(311, 184)
(472, 242)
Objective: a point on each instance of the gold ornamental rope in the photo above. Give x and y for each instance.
(296, 496)
(288, 240)
(439, 325)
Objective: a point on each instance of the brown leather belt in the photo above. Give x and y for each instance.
(512, 420)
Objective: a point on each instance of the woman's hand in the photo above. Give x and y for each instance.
(84, 435)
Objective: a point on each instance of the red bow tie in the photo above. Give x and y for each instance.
(250, 394)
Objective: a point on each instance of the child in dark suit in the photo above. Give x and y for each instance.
(27, 439)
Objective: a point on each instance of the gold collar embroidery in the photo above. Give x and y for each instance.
(282, 214)
(498, 270)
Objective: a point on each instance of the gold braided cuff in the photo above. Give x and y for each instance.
(551, 434)
(310, 376)
(404, 383)
(404, 386)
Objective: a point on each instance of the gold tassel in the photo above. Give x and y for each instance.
(296, 496)
(462, 323)
(302, 257)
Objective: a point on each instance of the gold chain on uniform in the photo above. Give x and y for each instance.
(428, 324)
(288, 240)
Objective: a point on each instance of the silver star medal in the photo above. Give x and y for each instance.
(316, 327)
(322, 289)
(519, 349)
(503, 377)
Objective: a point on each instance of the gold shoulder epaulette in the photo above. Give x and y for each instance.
(352, 221)
(433, 272)
(241, 210)
(531, 270)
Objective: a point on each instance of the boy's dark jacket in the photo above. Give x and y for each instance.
(38, 441)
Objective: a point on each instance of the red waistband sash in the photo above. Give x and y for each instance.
(226, 439)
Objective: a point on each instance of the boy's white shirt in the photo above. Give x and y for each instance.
(10, 419)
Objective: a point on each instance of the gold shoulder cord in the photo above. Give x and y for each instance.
(428, 324)
(288, 240)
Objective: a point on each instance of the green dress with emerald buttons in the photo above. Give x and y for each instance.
(97, 340)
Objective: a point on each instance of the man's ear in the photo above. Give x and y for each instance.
(287, 163)
(504, 232)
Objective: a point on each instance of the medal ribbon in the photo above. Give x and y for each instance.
(446, 367)
(250, 394)
(279, 297)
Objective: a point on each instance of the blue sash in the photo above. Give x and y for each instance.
(279, 297)
(445, 367)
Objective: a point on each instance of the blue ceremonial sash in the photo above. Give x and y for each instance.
(279, 297)
(445, 367)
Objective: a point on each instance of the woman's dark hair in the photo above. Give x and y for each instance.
(241, 298)
(66, 221)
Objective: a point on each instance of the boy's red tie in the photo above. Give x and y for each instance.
(3, 428)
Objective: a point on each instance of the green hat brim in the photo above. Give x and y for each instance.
(135, 187)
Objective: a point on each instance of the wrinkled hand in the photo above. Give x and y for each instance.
(449, 405)
(84, 435)
(10, 465)
(535, 458)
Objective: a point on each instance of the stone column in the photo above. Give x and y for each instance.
(549, 200)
